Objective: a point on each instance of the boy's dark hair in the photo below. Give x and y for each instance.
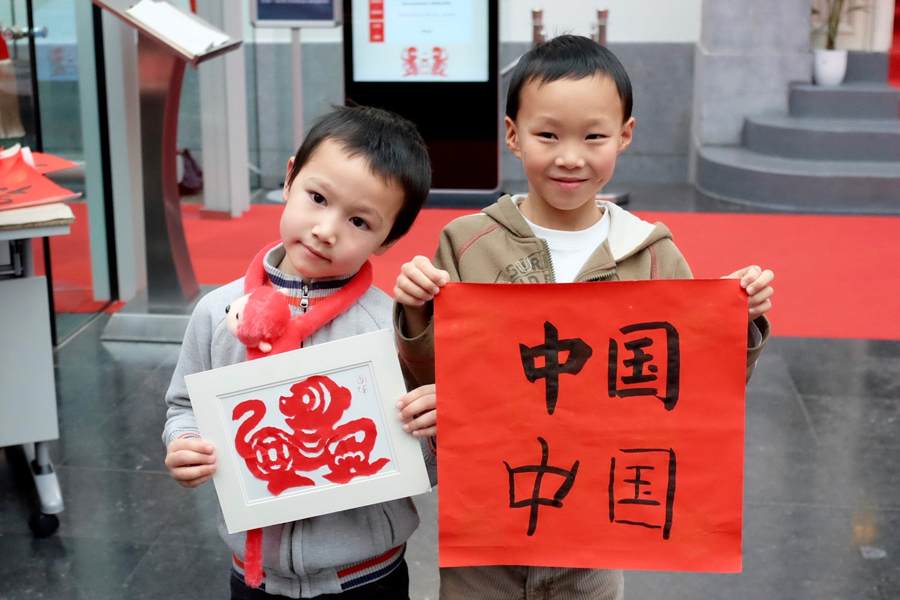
(392, 146)
(567, 57)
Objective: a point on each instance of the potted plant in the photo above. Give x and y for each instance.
(830, 64)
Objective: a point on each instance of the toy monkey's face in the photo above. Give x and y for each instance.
(234, 313)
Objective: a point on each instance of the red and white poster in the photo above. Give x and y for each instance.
(596, 425)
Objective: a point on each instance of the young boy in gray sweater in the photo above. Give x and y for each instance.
(353, 189)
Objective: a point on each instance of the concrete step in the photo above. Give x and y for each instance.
(824, 139)
(869, 67)
(739, 175)
(848, 101)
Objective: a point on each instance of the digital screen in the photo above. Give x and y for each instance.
(420, 40)
(271, 13)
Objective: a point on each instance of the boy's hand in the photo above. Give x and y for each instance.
(419, 281)
(755, 282)
(417, 411)
(191, 461)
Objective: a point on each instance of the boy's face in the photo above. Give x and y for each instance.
(338, 214)
(568, 134)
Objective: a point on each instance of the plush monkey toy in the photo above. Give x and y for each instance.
(258, 319)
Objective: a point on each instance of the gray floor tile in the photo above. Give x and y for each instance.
(776, 416)
(88, 397)
(822, 475)
(175, 571)
(880, 535)
(65, 568)
(854, 421)
(125, 506)
(130, 437)
(789, 552)
(422, 551)
(771, 371)
(87, 349)
(194, 523)
(854, 368)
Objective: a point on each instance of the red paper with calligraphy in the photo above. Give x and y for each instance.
(21, 185)
(592, 425)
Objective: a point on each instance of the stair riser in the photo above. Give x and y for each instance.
(844, 104)
(822, 145)
(800, 192)
(871, 67)
(717, 201)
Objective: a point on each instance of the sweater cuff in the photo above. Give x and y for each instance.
(183, 433)
(417, 353)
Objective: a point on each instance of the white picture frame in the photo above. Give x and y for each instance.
(368, 367)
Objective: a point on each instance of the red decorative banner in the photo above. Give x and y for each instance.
(21, 185)
(47, 163)
(596, 425)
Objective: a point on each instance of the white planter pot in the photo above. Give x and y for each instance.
(830, 66)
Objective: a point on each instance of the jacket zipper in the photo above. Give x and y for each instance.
(304, 297)
(549, 259)
(604, 275)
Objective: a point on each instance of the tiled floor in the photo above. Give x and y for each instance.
(822, 494)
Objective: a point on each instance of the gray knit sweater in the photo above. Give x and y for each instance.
(300, 559)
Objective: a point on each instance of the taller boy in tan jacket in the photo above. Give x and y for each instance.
(568, 118)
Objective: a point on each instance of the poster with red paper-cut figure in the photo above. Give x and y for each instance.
(594, 425)
(419, 41)
(308, 432)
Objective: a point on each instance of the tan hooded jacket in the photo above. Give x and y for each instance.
(497, 246)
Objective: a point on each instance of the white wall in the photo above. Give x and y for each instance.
(629, 21)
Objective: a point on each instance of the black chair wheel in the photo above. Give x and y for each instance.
(42, 525)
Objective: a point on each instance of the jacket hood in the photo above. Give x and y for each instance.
(628, 234)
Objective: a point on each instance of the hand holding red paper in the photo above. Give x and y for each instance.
(756, 282)
(417, 411)
(419, 282)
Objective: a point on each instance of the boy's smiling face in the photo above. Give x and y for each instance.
(338, 214)
(568, 134)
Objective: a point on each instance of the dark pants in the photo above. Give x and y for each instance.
(393, 587)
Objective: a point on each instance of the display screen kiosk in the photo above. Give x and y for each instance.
(168, 40)
(434, 62)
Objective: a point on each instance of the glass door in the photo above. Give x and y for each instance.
(51, 81)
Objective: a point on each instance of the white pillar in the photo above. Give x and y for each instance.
(223, 120)
(122, 100)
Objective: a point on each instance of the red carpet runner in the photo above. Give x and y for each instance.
(834, 274)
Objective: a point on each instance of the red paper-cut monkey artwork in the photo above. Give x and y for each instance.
(312, 411)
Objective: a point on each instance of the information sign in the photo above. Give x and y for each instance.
(294, 14)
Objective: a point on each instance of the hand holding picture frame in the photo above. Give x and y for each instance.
(308, 432)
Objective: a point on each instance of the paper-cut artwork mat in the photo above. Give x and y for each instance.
(596, 425)
(309, 432)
